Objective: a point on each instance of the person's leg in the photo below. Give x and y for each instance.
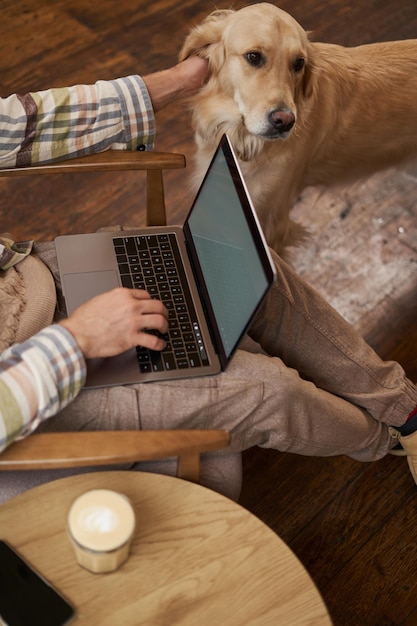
(298, 325)
(264, 401)
(258, 399)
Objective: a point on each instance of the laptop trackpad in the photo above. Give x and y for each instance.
(80, 287)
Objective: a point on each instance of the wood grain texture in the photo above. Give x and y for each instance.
(87, 449)
(196, 558)
(352, 525)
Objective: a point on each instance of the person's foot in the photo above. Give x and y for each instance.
(407, 446)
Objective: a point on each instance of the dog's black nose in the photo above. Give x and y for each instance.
(282, 120)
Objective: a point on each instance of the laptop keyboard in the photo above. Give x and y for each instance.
(153, 263)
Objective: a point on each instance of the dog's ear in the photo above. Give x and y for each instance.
(203, 37)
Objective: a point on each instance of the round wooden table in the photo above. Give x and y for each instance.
(197, 558)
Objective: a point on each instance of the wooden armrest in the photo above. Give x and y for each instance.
(111, 160)
(86, 449)
(75, 449)
(154, 163)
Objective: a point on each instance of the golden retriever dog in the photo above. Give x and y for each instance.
(298, 112)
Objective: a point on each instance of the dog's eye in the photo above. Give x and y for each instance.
(255, 58)
(298, 64)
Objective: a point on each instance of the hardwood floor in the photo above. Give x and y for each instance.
(353, 525)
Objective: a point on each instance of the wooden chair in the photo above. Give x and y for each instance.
(45, 451)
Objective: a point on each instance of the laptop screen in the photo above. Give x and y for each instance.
(233, 265)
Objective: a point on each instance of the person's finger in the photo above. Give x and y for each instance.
(150, 341)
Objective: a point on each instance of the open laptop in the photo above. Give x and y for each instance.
(212, 274)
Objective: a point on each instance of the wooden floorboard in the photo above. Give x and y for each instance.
(353, 525)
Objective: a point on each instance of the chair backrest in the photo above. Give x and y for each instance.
(89, 449)
(154, 163)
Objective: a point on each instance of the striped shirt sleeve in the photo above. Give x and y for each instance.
(67, 122)
(38, 378)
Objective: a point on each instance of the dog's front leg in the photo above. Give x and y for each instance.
(273, 200)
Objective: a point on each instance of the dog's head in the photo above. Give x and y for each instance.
(259, 59)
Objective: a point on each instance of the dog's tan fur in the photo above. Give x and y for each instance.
(355, 109)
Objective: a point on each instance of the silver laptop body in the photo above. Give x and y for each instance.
(212, 274)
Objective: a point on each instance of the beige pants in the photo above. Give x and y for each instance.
(320, 389)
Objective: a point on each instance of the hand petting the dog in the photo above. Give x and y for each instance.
(180, 81)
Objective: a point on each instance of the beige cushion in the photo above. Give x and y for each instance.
(27, 300)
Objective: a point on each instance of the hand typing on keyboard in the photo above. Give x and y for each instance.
(116, 321)
(152, 262)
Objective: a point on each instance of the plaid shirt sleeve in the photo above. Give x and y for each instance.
(41, 376)
(46, 372)
(50, 125)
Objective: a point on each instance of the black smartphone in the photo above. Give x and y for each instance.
(26, 598)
